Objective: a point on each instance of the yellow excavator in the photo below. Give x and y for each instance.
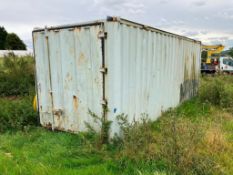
(211, 62)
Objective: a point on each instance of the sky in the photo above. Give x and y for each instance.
(210, 21)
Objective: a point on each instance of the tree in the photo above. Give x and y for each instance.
(3, 35)
(231, 52)
(13, 42)
(203, 56)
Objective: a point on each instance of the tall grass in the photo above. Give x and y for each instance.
(217, 91)
(16, 75)
(16, 93)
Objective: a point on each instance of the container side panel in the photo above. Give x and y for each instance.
(148, 72)
(43, 78)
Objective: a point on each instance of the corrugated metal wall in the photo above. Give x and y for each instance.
(148, 71)
(69, 81)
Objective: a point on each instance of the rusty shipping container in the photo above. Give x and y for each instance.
(127, 67)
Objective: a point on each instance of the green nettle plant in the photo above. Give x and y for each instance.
(102, 136)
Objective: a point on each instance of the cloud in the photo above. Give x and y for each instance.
(194, 33)
(199, 3)
(191, 33)
(226, 14)
(219, 38)
(228, 43)
(163, 1)
(204, 32)
(116, 6)
(225, 39)
(165, 23)
(179, 16)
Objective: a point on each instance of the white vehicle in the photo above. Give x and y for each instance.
(226, 64)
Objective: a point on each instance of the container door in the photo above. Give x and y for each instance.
(43, 82)
(75, 59)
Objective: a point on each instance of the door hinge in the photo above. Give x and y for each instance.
(104, 70)
(58, 112)
(46, 32)
(102, 35)
(104, 102)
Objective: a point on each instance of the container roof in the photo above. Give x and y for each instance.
(114, 19)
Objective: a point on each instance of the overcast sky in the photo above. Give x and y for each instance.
(210, 21)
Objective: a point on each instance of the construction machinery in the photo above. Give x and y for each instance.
(210, 64)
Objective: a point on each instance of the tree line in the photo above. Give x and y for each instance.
(228, 52)
(10, 41)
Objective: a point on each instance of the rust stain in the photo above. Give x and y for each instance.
(97, 31)
(97, 81)
(68, 77)
(186, 71)
(75, 103)
(58, 121)
(59, 124)
(71, 50)
(35, 38)
(194, 66)
(58, 118)
(48, 125)
(81, 59)
(77, 29)
(59, 128)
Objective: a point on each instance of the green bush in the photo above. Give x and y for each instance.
(16, 76)
(217, 91)
(16, 114)
(16, 89)
(211, 92)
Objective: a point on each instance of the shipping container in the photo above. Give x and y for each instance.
(116, 64)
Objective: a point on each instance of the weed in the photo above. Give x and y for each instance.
(137, 138)
(103, 123)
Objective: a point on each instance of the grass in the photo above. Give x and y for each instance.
(194, 138)
(40, 151)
